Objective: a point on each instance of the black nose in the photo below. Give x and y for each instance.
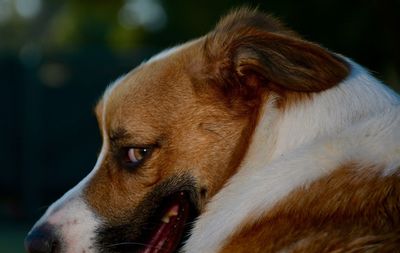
(42, 239)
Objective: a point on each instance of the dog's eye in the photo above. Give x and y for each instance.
(135, 155)
(131, 157)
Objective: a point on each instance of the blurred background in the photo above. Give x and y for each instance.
(56, 58)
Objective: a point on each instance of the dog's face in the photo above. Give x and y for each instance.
(163, 144)
(175, 129)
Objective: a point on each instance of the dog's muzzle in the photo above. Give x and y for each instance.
(68, 226)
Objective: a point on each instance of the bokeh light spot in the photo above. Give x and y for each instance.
(28, 8)
(148, 14)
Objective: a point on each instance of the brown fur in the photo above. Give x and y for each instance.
(253, 44)
(347, 211)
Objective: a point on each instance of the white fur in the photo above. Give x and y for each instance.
(163, 54)
(358, 120)
(168, 52)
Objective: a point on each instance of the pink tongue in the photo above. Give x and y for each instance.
(167, 235)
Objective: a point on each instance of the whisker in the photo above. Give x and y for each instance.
(132, 243)
(190, 223)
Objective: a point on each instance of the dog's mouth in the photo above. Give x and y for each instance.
(161, 222)
(171, 225)
(164, 226)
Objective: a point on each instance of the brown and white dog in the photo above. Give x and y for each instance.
(249, 139)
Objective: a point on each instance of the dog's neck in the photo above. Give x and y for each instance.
(358, 98)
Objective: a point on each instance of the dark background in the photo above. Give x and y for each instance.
(56, 58)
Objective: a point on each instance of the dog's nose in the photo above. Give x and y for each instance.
(42, 239)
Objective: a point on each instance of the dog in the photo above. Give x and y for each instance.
(248, 139)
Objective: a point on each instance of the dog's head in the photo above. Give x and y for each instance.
(175, 129)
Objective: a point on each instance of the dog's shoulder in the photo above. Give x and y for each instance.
(346, 211)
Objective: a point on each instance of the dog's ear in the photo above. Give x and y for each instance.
(249, 49)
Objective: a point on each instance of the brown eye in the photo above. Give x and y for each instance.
(134, 156)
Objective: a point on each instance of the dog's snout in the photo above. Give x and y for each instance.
(42, 239)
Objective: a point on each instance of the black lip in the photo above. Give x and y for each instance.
(131, 234)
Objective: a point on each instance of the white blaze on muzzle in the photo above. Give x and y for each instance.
(69, 225)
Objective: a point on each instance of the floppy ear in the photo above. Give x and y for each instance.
(249, 49)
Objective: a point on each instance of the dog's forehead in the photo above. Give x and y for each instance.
(150, 93)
